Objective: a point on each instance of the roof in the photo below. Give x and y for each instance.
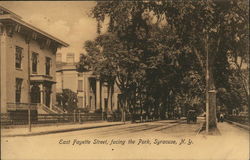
(13, 17)
(6, 11)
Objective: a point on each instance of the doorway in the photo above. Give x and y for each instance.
(35, 94)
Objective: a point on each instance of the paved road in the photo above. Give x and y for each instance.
(156, 128)
(152, 140)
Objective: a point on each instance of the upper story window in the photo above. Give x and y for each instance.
(80, 85)
(47, 66)
(80, 75)
(19, 82)
(19, 56)
(80, 102)
(70, 58)
(34, 59)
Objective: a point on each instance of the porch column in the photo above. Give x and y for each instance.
(102, 98)
(84, 93)
(3, 72)
(98, 93)
(110, 103)
(50, 105)
(41, 94)
(115, 99)
(87, 91)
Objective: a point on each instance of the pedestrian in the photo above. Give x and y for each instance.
(218, 116)
(221, 117)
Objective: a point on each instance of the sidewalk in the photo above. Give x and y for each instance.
(227, 142)
(238, 124)
(13, 132)
(230, 130)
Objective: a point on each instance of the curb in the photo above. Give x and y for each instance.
(238, 124)
(60, 130)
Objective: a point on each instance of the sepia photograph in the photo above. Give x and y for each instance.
(125, 80)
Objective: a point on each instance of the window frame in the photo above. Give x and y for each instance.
(32, 62)
(18, 56)
(48, 61)
(18, 90)
(80, 85)
(80, 101)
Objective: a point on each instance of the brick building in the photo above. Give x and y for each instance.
(28, 68)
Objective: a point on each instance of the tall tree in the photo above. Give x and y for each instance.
(159, 37)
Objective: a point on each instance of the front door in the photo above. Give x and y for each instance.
(35, 94)
(106, 104)
(47, 96)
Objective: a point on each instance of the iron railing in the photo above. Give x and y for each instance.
(57, 109)
(240, 119)
(21, 106)
(22, 117)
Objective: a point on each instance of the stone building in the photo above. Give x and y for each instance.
(91, 92)
(28, 65)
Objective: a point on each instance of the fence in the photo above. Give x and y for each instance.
(239, 119)
(22, 118)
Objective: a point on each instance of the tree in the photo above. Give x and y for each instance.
(164, 37)
(107, 59)
(99, 60)
(67, 100)
(159, 51)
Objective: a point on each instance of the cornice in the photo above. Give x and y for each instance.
(18, 24)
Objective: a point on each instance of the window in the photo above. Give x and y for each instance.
(19, 57)
(34, 59)
(106, 103)
(70, 58)
(80, 75)
(47, 66)
(58, 57)
(80, 102)
(80, 85)
(90, 101)
(19, 82)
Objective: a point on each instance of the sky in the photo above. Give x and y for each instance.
(67, 20)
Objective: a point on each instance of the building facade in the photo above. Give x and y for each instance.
(92, 93)
(28, 68)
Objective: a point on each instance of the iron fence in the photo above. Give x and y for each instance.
(22, 118)
(240, 119)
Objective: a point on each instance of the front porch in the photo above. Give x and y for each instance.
(41, 90)
(40, 98)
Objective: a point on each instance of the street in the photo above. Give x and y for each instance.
(151, 140)
(124, 80)
(157, 128)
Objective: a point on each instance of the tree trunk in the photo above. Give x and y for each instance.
(212, 97)
(123, 118)
(210, 89)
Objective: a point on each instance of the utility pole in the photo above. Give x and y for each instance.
(207, 84)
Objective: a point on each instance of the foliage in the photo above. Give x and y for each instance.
(155, 51)
(67, 100)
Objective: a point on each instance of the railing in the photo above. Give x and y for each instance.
(21, 106)
(57, 109)
(21, 118)
(33, 106)
(46, 109)
(240, 119)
